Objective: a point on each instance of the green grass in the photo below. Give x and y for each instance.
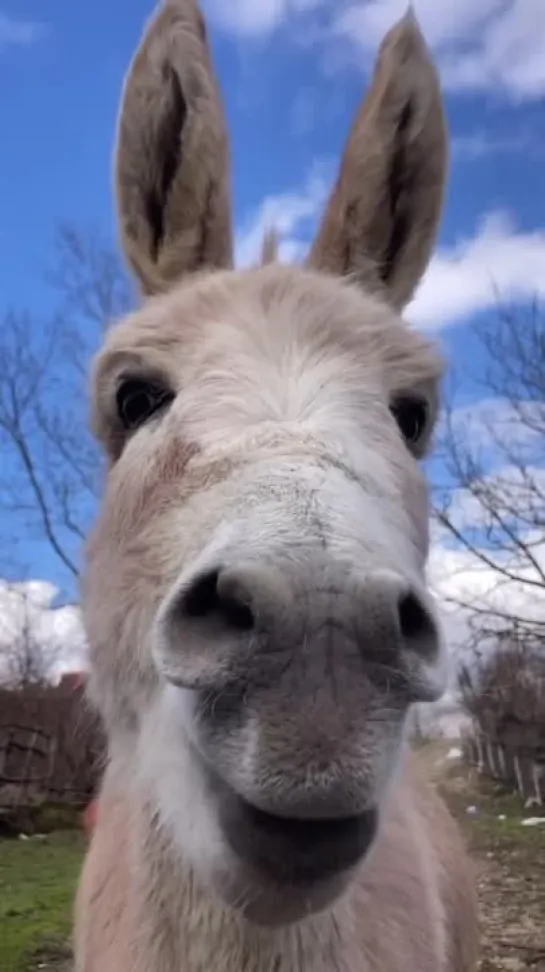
(38, 879)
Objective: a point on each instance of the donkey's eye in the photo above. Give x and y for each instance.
(411, 415)
(137, 400)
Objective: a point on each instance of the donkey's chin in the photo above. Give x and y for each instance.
(288, 868)
(263, 902)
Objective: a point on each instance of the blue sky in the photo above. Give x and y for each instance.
(292, 74)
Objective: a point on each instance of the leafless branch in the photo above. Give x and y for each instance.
(492, 504)
(51, 467)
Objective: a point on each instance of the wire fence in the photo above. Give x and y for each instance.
(520, 768)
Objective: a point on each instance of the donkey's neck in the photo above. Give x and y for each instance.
(182, 927)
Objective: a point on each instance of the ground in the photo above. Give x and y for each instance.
(38, 879)
(510, 859)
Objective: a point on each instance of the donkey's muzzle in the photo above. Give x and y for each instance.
(233, 621)
(295, 851)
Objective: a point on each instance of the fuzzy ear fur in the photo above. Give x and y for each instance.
(381, 221)
(172, 155)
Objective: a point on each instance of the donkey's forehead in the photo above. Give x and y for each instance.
(267, 311)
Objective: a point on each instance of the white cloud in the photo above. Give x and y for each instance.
(460, 576)
(18, 32)
(496, 429)
(479, 44)
(27, 616)
(251, 18)
(498, 44)
(499, 261)
(479, 144)
(506, 509)
(367, 23)
(289, 214)
(507, 446)
(509, 54)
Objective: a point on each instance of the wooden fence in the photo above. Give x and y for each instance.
(51, 751)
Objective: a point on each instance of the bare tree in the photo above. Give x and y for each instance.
(504, 693)
(26, 657)
(50, 466)
(492, 505)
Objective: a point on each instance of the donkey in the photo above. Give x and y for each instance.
(254, 593)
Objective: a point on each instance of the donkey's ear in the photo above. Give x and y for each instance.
(172, 154)
(381, 221)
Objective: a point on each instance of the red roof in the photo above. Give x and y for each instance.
(73, 680)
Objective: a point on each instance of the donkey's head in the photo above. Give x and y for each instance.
(255, 595)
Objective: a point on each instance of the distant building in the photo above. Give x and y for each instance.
(73, 680)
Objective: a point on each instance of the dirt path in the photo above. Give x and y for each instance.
(510, 859)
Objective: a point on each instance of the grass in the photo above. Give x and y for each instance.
(38, 879)
(37, 882)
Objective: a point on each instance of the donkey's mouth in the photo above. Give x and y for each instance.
(296, 851)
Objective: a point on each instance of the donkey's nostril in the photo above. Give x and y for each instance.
(201, 598)
(213, 598)
(417, 626)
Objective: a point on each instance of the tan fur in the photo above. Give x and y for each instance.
(269, 248)
(282, 380)
(380, 221)
(171, 100)
(411, 908)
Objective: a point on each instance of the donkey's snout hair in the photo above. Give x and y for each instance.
(254, 594)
